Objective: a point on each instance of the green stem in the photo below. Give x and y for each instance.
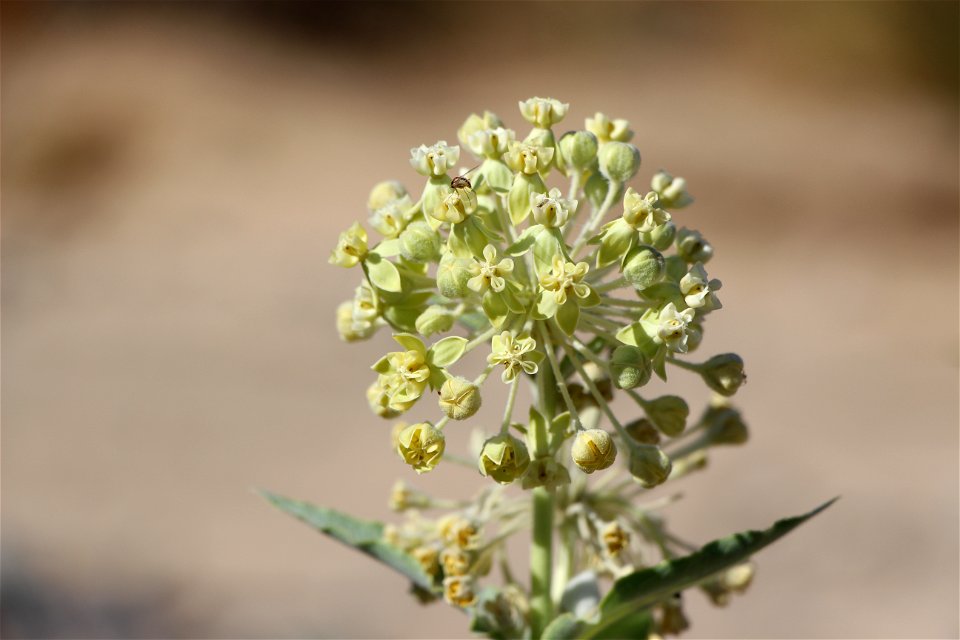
(541, 562)
(590, 226)
(541, 547)
(511, 400)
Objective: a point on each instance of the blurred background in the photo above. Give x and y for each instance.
(175, 175)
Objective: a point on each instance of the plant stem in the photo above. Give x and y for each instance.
(541, 546)
(541, 562)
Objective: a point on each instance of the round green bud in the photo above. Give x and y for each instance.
(593, 450)
(504, 458)
(619, 161)
(692, 246)
(383, 193)
(662, 236)
(668, 414)
(630, 367)
(578, 150)
(643, 431)
(421, 446)
(725, 425)
(459, 398)
(649, 465)
(724, 373)
(420, 243)
(452, 276)
(643, 267)
(434, 319)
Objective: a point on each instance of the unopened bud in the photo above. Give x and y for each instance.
(578, 150)
(669, 414)
(643, 267)
(662, 236)
(643, 431)
(725, 425)
(619, 161)
(630, 367)
(593, 450)
(649, 465)
(434, 320)
(692, 246)
(459, 398)
(724, 373)
(452, 276)
(380, 402)
(420, 243)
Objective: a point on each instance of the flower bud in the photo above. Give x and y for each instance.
(456, 530)
(380, 401)
(692, 247)
(577, 150)
(420, 243)
(452, 276)
(402, 497)
(421, 446)
(668, 414)
(724, 373)
(504, 458)
(384, 193)
(459, 398)
(619, 161)
(694, 336)
(434, 319)
(351, 247)
(662, 236)
(543, 112)
(644, 266)
(428, 557)
(673, 191)
(630, 367)
(593, 450)
(649, 465)
(643, 431)
(672, 620)
(505, 611)
(725, 425)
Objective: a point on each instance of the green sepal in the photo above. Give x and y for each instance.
(546, 246)
(436, 189)
(382, 365)
(658, 361)
(402, 318)
(665, 292)
(495, 308)
(496, 175)
(382, 273)
(592, 300)
(447, 351)
(519, 199)
(364, 536)
(388, 248)
(559, 428)
(596, 188)
(617, 239)
(568, 315)
(676, 268)
(410, 342)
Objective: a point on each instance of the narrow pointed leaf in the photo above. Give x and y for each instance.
(364, 536)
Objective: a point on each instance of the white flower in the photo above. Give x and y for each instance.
(608, 130)
(543, 112)
(551, 209)
(435, 160)
(643, 213)
(672, 330)
(391, 218)
(488, 274)
(697, 290)
(491, 143)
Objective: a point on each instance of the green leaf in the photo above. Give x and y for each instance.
(563, 627)
(364, 536)
(446, 351)
(644, 588)
(568, 314)
(410, 342)
(382, 273)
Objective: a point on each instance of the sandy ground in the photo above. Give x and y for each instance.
(171, 192)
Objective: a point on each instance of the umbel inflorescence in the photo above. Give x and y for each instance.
(546, 259)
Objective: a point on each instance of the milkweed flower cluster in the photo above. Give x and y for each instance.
(544, 258)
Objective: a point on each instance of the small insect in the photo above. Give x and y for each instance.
(461, 182)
